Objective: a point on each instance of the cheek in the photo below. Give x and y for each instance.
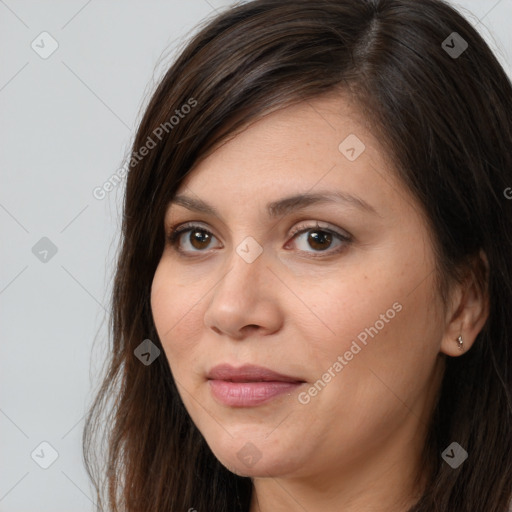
(388, 347)
(381, 319)
(174, 306)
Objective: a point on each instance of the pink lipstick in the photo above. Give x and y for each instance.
(249, 385)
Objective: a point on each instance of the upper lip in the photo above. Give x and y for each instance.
(248, 373)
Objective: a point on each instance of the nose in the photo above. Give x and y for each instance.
(244, 300)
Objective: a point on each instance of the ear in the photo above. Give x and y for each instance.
(469, 308)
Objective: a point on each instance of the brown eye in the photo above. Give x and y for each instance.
(319, 239)
(198, 238)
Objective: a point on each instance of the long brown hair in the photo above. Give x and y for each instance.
(446, 120)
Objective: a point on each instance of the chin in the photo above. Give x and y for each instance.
(246, 458)
(261, 469)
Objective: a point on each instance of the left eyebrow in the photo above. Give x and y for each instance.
(282, 206)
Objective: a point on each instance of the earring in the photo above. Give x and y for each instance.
(460, 341)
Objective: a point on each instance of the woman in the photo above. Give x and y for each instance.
(312, 301)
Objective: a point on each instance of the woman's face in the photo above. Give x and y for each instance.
(347, 310)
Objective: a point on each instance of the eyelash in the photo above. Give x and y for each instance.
(175, 232)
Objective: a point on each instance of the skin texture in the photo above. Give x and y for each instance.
(355, 445)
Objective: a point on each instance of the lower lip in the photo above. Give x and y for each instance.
(247, 394)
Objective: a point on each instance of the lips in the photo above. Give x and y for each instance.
(249, 385)
(249, 373)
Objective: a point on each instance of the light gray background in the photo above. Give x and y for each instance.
(66, 123)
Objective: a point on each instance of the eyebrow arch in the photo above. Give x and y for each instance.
(282, 206)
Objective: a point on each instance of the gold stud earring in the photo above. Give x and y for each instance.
(460, 341)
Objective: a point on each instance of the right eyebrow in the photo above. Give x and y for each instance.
(282, 206)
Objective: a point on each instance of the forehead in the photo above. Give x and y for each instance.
(313, 147)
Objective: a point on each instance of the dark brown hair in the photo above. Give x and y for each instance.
(446, 122)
